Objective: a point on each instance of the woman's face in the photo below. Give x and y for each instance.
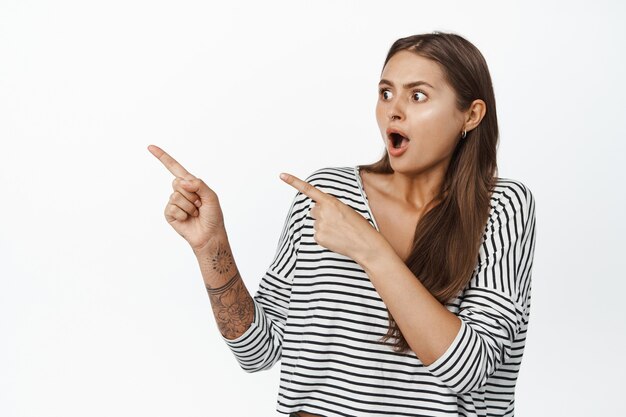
(415, 100)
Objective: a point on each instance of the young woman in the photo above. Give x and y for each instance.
(398, 288)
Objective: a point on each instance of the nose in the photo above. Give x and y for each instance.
(395, 112)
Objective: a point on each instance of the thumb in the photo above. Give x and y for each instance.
(199, 187)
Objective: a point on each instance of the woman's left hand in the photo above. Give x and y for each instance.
(337, 226)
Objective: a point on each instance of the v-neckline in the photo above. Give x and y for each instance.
(364, 195)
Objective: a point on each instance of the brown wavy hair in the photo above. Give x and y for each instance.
(448, 236)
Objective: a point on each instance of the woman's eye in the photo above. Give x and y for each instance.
(416, 95)
(386, 94)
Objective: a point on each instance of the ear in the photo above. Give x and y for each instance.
(474, 114)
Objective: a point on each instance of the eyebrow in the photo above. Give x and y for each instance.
(407, 85)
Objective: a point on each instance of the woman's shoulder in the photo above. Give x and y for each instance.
(511, 196)
(508, 187)
(330, 174)
(333, 170)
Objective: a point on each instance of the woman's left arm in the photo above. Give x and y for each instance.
(428, 326)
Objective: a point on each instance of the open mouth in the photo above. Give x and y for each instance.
(398, 140)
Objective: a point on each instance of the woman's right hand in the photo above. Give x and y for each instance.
(193, 209)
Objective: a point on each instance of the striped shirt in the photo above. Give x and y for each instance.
(319, 314)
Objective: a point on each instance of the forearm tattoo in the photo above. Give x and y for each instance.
(231, 303)
(222, 261)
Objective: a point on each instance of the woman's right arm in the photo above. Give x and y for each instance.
(252, 327)
(194, 211)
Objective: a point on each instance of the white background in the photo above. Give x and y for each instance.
(102, 307)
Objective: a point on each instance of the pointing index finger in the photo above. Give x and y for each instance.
(304, 187)
(170, 163)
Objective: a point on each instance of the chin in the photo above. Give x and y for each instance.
(402, 166)
(408, 166)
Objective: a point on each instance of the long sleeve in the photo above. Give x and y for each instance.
(496, 302)
(260, 346)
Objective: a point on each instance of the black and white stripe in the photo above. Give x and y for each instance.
(318, 313)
